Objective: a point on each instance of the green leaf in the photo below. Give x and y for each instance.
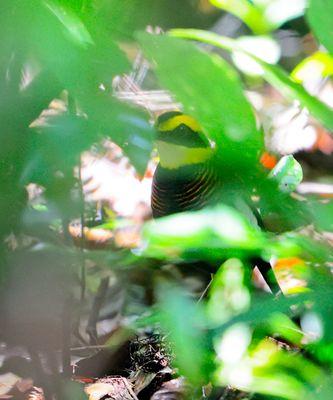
(210, 233)
(133, 132)
(251, 15)
(274, 74)
(183, 321)
(277, 12)
(77, 58)
(322, 351)
(322, 212)
(322, 285)
(293, 244)
(125, 125)
(210, 91)
(56, 147)
(280, 324)
(228, 294)
(288, 173)
(263, 16)
(319, 16)
(318, 64)
(270, 370)
(73, 26)
(262, 47)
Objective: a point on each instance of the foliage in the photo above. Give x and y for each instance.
(70, 52)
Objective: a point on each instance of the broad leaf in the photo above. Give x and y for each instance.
(319, 64)
(73, 27)
(263, 16)
(126, 126)
(228, 292)
(319, 16)
(210, 91)
(274, 74)
(212, 234)
(251, 15)
(183, 321)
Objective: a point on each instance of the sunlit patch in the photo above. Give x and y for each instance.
(310, 72)
(115, 182)
(232, 348)
(234, 343)
(112, 387)
(238, 376)
(312, 326)
(230, 225)
(7, 382)
(228, 294)
(264, 354)
(279, 11)
(263, 47)
(291, 131)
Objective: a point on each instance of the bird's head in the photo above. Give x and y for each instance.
(180, 141)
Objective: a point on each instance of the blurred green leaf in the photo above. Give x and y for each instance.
(53, 48)
(106, 59)
(266, 368)
(56, 147)
(322, 285)
(119, 259)
(288, 172)
(280, 211)
(262, 47)
(74, 28)
(319, 64)
(322, 351)
(228, 292)
(263, 16)
(77, 57)
(251, 15)
(274, 74)
(284, 327)
(222, 232)
(319, 14)
(321, 211)
(210, 91)
(263, 307)
(133, 132)
(125, 125)
(38, 223)
(293, 244)
(211, 233)
(270, 370)
(278, 12)
(183, 322)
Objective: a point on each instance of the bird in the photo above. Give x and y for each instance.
(188, 177)
(185, 178)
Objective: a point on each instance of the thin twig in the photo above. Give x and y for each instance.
(206, 288)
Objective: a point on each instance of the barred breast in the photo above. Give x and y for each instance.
(187, 188)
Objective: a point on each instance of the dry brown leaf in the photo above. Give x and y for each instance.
(7, 382)
(118, 388)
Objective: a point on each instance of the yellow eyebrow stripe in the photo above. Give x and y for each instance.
(177, 120)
